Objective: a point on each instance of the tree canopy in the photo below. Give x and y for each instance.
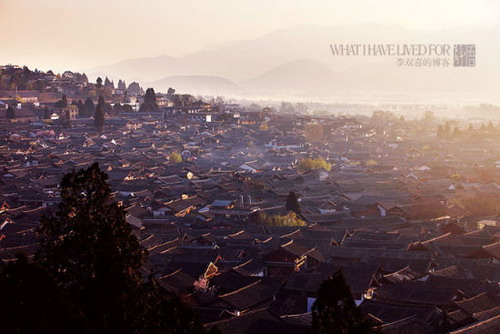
(31, 300)
(90, 247)
(122, 85)
(62, 103)
(335, 310)
(86, 276)
(264, 127)
(149, 104)
(290, 219)
(89, 107)
(175, 157)
(309, 164)
(292, 203)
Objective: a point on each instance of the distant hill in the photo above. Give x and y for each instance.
(138, 69)
(197, 84)
(302, 77)
(298, 61)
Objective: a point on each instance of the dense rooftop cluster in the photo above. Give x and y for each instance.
(411, 220)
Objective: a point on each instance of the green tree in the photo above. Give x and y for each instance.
(175, 157)
(89, 107)
(134, 89)
(335, 311)
(10, 113)
(292, 203)
(32, 302)
(309, 164)
(62, 103)
(149, 104)
(99, 119)
(264, 127)
(105, 107)
(290, 219)
(101, 102)
(66, 119)
(90, 247)
(96, 259)
(122, 85)
(82, 111)
(108, 83)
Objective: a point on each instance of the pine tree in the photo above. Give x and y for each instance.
(89, 107)
(134, 89)
(66, 119)
(335, 310)
(149, 104)
(292, 203)
(101, 102)
(96, 259)
(32, 302)
(105, 107)
(64, 101)
(99, 118)
(122, 85)
(90, 247)
(82, 112)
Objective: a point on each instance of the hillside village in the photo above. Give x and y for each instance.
(245, 211)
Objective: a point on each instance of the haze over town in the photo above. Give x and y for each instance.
(250, 167)
(260, 49)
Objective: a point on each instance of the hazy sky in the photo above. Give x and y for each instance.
(78, 34)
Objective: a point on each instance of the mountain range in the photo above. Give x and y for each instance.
(297, 61)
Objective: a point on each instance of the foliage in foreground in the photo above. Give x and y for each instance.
(86, 277)
(335, 310)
